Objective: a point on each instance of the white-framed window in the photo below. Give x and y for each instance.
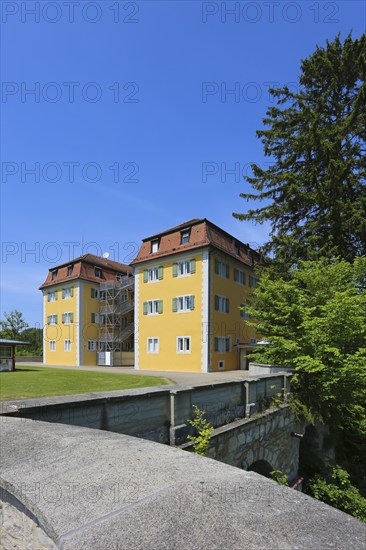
(183, 303)
(94, 293)
(222, 344)
(67, 292)
(184, 237)
(244, 312)
(221, 364)
(52, 319)
(52, 296)
(154, 245)
(253, 281)
(92, 345)
(184, 268)
(153, 345)
(222, 268)
(222, 304)
(153, 274)
(239, 276)
(52, 345)
(67, 345)
(69, 270)
(153, 307)
(183, 344)
(67, 318)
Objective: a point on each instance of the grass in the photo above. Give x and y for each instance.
(26, 382)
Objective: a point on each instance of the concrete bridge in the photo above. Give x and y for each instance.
(243, 436)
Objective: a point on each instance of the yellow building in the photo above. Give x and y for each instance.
(88, 313)
(192, 283)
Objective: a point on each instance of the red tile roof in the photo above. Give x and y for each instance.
(83, 268)
(202, 233)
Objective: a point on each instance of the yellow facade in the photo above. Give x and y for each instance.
(203, 324)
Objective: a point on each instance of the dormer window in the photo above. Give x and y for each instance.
(185, 237)
(69, 270)
(98, 272)
(54, 275)
(154, 246)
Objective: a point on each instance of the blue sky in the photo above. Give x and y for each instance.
(131, 127)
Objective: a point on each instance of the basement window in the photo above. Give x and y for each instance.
(221, 364)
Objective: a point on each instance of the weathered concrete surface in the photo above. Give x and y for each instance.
(90, 489)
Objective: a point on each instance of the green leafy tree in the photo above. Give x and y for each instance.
(315, 322)
(313, 193)
(201, 440)
(337, 490)
(35, 338)
(12, 325)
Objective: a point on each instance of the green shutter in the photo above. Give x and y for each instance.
(63, 317)
(193, 266)
(71, 318)
(216, 266)
(48, 297)
(145, 308)
(227, 305)
(175, 270)
(56, 319)
(56, 295)
(93, 317)
(216, 343)
(63, 293)
(175, 305)
(191, 302)
(216, 303)
(72, 291)
(160, 272)
(227, 271)
(160, 306)
(146, 275)
(48, 319)
(92, 292)
(227, 343)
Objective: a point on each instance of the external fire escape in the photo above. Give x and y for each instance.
(116, 302)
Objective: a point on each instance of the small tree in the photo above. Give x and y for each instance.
(201, 441)
(13, 325)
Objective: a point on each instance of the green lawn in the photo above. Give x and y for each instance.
(27, 382)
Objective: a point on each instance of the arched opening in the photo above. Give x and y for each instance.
(261, 467)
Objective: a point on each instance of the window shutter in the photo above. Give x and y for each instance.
(49, 297)
(216, 343)
(72, 291)
(191, 302)
(160, 272)
(216, 303)
(63, 293)
(145, 275)
(63, 317)
(175, 305)
(160, 306)
(93, 317)
(71, 318)
(56, 319)
(216, 266)
(236, 272)
(48, 319)
(56, 294)
(193, 266)
(227, 343)
(145, 308)
(92, 292)
(227, 305)
(227, 270)
(175, 270)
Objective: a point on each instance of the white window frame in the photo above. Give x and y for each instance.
(153, 274)
(182, 346)
(154, 246)
(52, 345)
(68, 291)
(92, 345)
(53, 319)
(184, 268)
(67, 345)
(152, 307)
(67, 317)
(183, 303)
(185, 236)
(155, 341)
(52, 296)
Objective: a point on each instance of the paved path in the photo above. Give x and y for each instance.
(187, 378)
